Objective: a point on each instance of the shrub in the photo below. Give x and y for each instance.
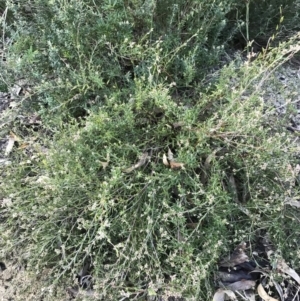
(102, 193)
(73, 52)
(103, 188)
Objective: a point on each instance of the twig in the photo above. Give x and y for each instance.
(296, 293)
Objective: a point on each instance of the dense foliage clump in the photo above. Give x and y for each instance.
(146, 165)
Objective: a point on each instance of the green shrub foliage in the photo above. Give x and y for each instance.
(75, 50)
(102, 193)
(72, 51)
(97, 188)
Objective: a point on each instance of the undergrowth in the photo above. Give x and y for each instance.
(158, 176)
(155, 226)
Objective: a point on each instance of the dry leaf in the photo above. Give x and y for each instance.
(263, 294)
(234, 275)
(238, 256)
(143, 159)
(13, 135)
(283, 267)
(169, 161)
(9, 146)
(279, 290)
(241, 285)
(260, 271)
(170, 155)
(165, 160)
(23, 146)
(175, 165)
(220, 295)
(11, 141)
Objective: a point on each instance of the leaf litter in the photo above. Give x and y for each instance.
(11, 142)
(170, 161)
(241, 285)
(220, 295)
(284, 268)
(238, 256)
(242, 274)
(142, 161)
(264, 295)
